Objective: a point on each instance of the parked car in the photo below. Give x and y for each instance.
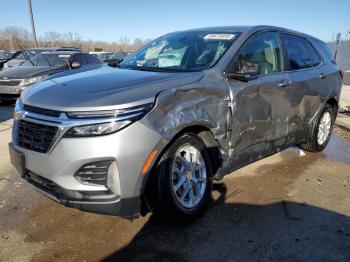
(14, 80)
(186, 109)
(5, 56)
(21, 56)
(111, 58)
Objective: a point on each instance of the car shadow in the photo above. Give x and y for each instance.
(6, 111)
(282, 231)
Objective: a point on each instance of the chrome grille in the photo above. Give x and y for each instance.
(41, 111)
(10, 82)
(34, 136)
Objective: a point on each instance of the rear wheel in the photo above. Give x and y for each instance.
(321, 130)
(182, 182)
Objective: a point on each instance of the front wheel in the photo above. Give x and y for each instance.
(181, 183)
(321, 130)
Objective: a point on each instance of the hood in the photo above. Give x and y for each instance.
(103, 89)
(15, 62)
(21, 72)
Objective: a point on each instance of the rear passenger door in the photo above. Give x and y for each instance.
(302, 62)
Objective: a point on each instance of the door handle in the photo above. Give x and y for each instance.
(285, 83)
(322, 75)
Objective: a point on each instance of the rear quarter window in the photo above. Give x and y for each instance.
(325, 50)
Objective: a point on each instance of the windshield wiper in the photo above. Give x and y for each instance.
(161, 69)
(28, 58)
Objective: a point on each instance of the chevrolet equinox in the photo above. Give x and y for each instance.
(184, 110)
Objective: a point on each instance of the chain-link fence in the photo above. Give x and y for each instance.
(343, 57)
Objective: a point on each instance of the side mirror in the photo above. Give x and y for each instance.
(114, 63)
(75, 65)
(245, 72)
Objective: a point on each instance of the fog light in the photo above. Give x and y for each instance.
(94, 173)
(113, 181)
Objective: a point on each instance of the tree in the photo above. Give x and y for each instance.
(53, 37)
(138, 43)
(14, 37)
(124, 43)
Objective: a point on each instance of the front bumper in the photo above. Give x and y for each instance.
(108, 204)
(52, 173)
(10, 92)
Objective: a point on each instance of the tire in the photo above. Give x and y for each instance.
(161, 194)
(313, 143)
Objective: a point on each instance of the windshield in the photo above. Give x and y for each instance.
(181, 51)
(118, 55)
(5, 55)
(24, 55)
(48, 59)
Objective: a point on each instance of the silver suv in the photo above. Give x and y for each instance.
(186, 109)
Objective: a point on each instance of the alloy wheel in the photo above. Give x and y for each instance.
(189, 176)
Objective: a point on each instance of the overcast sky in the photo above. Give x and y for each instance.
(108, 20)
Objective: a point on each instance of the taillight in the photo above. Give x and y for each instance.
(341, 72)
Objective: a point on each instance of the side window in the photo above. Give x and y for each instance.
(300, 53)
(263, 50)
(79, 58)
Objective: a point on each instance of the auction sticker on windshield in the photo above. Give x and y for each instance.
(219, 36)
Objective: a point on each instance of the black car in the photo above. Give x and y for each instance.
(14, 80)
(111, 58)
(6, 56)
(21, 56)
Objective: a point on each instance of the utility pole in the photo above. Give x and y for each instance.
(11, 46)
(32, 21)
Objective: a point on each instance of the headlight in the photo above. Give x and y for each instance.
(5, 66)
(18, 105)
(117, 119)
(29, 81)
(96, 129)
